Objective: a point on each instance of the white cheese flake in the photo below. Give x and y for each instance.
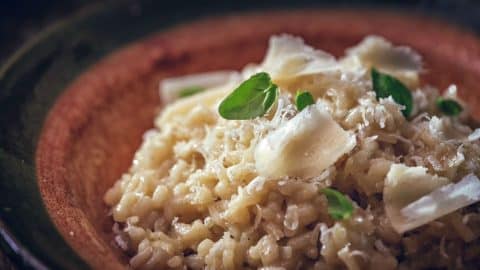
(440, 202)
(403, 185)
(206, 98)
(171, 88)
(374, 51)
(303, 146)
(289, 57)
(475, 135)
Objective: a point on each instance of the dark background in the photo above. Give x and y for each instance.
(22, 19)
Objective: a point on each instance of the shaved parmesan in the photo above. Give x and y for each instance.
(375, 51)
(404, 185)
(207, 98)
(289, 57)
(303, 146)
(475, 135)
(451, 92)
(171, 88)
(440, 202)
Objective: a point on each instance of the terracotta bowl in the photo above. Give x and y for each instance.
(95, 126)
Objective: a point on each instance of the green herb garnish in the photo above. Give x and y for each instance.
(303, 99)
(339, 207)
(449, 106)
(190, 91)
(251, 99)
(385, 85)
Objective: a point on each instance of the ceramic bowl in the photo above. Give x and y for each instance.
(74, 105)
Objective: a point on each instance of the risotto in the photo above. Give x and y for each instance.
(305, 161)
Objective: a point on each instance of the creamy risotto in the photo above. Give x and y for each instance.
(305, 161)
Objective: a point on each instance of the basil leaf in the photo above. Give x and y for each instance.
(339, 207)
(190, 91)
(251, 99)
(449, 106)
(303, 99)
(385, 85)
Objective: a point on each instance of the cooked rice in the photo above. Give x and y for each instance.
(193, 199)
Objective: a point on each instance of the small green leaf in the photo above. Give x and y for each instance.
(385, 85)
(449, 106)
(303, 99)
(339, 207)
(253, 98)
(190, 91)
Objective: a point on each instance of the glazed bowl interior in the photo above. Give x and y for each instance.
(93, 130)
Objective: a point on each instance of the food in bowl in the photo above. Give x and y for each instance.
(305, 161)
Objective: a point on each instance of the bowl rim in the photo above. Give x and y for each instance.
(21, 253)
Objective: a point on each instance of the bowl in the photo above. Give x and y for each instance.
(82, 107)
